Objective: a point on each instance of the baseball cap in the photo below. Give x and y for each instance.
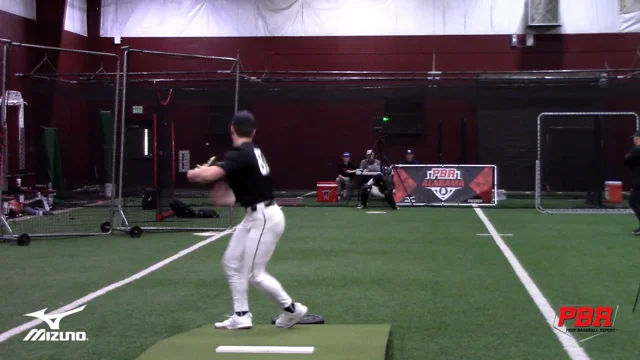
(346, 154)
(369, 152)
(409, 152)
(244, 118)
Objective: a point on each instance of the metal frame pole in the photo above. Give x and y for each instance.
(122, 133)
(429, 74)
(3, 122)
(3, 115)
(237, 80)
(114, 145)
(193, 56)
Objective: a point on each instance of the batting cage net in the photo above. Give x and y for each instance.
(575, 172)
(168, 117)
(58, 139)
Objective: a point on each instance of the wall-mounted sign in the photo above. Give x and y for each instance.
(184, 161)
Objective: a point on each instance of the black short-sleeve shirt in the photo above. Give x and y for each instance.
(342, 169)
(632, 160)
(248, 174)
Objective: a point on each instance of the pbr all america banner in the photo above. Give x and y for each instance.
(445, 184)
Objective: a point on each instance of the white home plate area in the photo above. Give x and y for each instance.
(376, 212)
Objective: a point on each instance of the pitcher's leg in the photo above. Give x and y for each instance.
(266, 241)
(263, 238)
(238, 278)
(237, 272)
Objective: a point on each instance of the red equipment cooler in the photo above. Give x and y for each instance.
(327, 191)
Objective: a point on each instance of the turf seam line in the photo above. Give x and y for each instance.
(570, 344)
(31, 324)
(305, 195)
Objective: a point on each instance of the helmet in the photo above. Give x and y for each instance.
(386, 171)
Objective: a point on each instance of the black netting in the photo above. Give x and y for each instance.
(169, 128)
(579, 155)
(58, 169)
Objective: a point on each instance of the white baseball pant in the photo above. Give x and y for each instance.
(248, 253)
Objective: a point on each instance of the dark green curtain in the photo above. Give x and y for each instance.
(107, 142)
(54, 159)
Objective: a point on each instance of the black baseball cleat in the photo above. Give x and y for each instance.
(636, 232)
(360, 206)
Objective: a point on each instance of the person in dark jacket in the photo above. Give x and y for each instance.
(408, 158)
(632, 160)
(345, 179)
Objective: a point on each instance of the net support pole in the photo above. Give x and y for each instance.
(123, 122)
(237, 81)
(440, 141)
(114, 144)
(463, 141)
(3, 114)
(3, 122)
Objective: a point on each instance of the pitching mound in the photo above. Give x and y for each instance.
(326, 342)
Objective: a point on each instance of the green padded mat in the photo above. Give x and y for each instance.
(333, 342)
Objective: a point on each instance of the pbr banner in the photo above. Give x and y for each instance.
(445, 184)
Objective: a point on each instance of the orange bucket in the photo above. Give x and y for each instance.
(613, 192)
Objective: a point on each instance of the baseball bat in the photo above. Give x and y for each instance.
(211, 161)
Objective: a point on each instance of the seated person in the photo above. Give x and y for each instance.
(381, 181)
(346, 173)
(370, 164)
(408, 158)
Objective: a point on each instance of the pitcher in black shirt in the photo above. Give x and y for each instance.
(246, 171)
(632, 160)
(346, 173)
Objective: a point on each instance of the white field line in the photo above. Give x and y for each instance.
(570, 344)
(31, 324)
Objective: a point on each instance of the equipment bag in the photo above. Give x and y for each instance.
(208, 214)
(182, 210)
(150, 200)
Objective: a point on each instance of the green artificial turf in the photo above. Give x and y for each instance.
(447, 292)
(329, 342)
